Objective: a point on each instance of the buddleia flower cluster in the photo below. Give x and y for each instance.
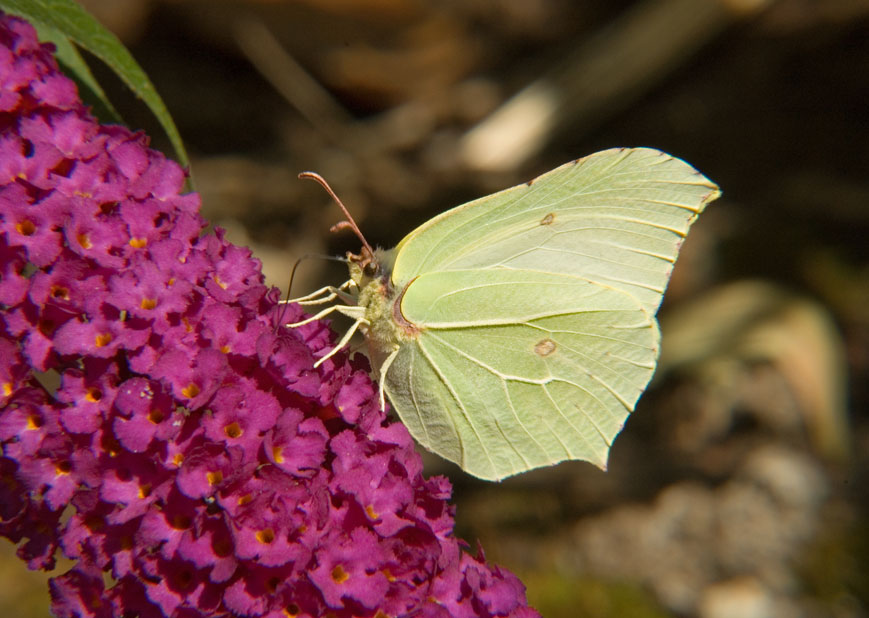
(160, 431)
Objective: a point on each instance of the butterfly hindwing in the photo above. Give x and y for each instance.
(515, 370)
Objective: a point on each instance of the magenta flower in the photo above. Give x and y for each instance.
(159, 430)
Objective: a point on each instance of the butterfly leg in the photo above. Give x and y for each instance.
(330, 292)
(360, 320)
(383, 369)
(312, 297)
(350, 311)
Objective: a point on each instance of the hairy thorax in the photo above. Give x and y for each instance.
(385, 326)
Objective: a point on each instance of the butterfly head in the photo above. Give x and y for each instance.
(370, 265)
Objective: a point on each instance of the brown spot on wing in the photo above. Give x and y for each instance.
(545, 347)
(548, 219)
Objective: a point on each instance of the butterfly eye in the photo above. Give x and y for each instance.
(371, 269)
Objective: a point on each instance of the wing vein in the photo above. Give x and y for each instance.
(459, 403)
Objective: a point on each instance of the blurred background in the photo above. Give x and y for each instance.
(739, 487)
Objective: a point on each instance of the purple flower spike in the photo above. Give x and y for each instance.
(158, 429)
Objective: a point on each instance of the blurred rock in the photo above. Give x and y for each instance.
(743, 597)
(692, 539)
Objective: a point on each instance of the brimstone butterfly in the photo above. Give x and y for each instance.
(518, 330)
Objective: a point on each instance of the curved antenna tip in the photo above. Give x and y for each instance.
(350, 222)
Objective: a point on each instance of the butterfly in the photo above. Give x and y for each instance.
(518, 330)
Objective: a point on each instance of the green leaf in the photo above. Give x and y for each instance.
(69, 20)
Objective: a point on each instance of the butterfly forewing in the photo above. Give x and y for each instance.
(617, 217)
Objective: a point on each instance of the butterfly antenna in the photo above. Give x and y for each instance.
(349, 222)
